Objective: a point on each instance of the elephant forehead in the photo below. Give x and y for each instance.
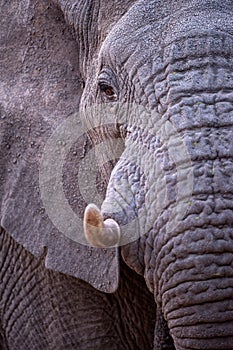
(150, 25)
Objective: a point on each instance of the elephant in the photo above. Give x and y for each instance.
(144, 87)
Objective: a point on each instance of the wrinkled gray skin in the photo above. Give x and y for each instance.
(173, 58)
(44, 309)
(47, 300)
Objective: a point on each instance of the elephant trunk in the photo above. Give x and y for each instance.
(193, 264)
(194, 280)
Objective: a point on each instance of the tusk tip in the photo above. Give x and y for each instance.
(99, 233)
(93, 216)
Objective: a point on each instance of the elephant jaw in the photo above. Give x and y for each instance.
(98, 232)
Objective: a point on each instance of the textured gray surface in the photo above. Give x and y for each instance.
(45, 309)
(40, 86)
(173, 58)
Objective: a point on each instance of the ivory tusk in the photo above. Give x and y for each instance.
(100, 233)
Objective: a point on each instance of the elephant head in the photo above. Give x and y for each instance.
(164, 73)
(152, 81)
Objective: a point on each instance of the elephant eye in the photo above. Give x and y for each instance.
(108, 91)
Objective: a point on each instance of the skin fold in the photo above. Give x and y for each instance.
(153, 83)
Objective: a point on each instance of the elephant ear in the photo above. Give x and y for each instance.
(43, 60)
